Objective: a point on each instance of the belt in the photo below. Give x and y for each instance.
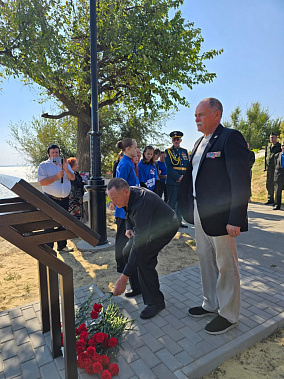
(54, 197)
(180, 168)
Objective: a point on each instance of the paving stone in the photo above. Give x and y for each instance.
(176, 335)
(28, 313)
(12, 367)
(125, 372)
(15, 312)
(170, 344)
(21, 336)
(25, 352)
(37, 339)
(30, 370)
(133, 340)
(32, 325)
(49, 371)
(43, 355)
(152, 342)
(162, 371)
(169, 359)
(5, 321)
(8, 349)
(148, 356)
(18, 323)
(142, 370)
(6, 334)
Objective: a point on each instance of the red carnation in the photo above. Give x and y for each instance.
(105, 360)
(97, 358)
(99, 337)
(94, 315)
(91, 351)
(79, 350)
(97, 367)
(92, 342)
(82, 328)
(89, 370)
(97, 307)
(113, 368)
(84, 335)
(112, 342)
(106, 375)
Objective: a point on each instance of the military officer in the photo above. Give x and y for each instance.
(273, 148)
(176, 159)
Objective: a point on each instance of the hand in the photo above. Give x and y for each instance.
(60, 174)
(233, 231)
(180, 178)
(120, 285)
(65, 165)
(129, 233)
(112, 207)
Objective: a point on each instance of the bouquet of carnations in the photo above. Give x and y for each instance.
(99, 328)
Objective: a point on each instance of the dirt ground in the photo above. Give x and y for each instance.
(19, 285)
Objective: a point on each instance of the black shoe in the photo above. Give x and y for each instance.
(183, 225)
(269, 202)
(219, 325)
(152, 310)
(276, 207)
(200, 312)
(132, 293)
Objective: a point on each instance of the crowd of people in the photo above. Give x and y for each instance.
(150, 193)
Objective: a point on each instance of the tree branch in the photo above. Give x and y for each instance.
(56, 117)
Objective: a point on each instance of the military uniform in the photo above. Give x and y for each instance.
(270, 152)
(176, 160)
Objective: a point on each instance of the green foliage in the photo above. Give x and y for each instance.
(257, 125)
(281, 131)
(145, 58)
(32, 139)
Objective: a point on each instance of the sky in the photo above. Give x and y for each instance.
(250, 69)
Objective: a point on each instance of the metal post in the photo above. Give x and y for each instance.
(96, 185)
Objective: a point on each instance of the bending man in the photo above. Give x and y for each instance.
(150, 225)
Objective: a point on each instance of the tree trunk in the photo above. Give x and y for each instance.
(83, 146)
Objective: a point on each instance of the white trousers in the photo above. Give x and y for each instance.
(220, 275)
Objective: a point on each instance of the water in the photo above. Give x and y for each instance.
(23, 172)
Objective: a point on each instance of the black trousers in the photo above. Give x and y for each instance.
(161, 190)
(64, 203)
(120, 241)
(270, 184)
(147, 262)
(279, 186)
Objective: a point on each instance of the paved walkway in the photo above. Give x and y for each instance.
(172, 344)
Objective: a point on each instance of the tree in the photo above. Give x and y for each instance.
(32, 139)
(144, 57)
(257, 125)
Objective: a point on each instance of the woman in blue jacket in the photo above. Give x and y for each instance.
(147, 169)
(126, 171)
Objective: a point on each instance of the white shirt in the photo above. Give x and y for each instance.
(196, 159)
(57, 189)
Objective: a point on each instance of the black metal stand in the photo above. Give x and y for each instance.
(97, 207)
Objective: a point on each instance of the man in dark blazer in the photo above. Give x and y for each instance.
(279, 177)
(150, 225)
(213, 195)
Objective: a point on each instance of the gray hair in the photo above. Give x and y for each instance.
(117, 183)
(215, 104)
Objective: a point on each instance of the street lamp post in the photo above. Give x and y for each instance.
(96, 185)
